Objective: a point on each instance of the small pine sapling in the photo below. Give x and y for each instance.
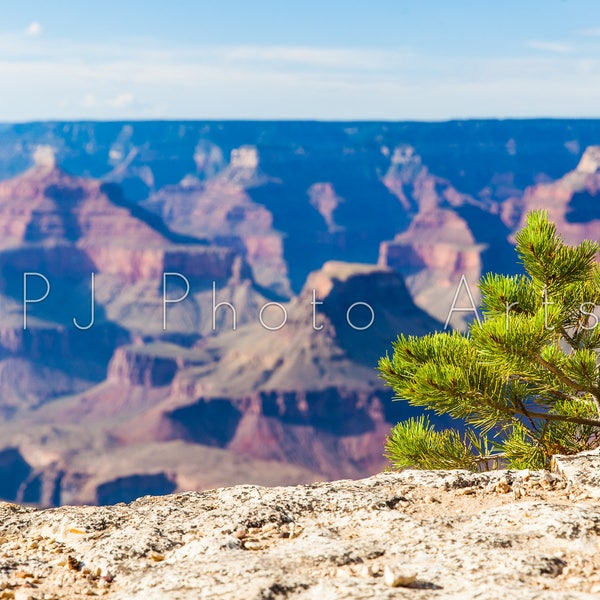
(524, 382)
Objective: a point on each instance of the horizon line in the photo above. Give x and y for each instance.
(373, 121)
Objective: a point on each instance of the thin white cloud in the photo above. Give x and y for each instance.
(557, 47)
(314, 57)
(284, 58)
(89, 100)
(34, 29)
(87, 81)
(123, 100)
(592, 32)
(120, 101)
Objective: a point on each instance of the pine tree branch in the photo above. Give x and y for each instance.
(550, 417)
(570, 339)
(531, 414)
(595, 392)
(552, 392)
(544, 430)
(564, 395)
(491, 456)
(533, 426)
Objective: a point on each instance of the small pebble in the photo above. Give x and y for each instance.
(365, 571)
(431, 500)
(548, 480)
(503, 487)
(73, 563)
(252, 545)
(398, 578)
(518, 492)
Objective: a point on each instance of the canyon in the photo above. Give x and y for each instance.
(306, 248)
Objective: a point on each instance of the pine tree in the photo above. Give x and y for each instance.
(524, 382)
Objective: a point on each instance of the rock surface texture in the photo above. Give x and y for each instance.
(415, 534)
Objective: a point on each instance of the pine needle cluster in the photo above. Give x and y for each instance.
(524, 382)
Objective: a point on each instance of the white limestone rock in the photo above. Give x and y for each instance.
(395, 535)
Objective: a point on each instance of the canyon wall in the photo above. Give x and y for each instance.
(326, 239)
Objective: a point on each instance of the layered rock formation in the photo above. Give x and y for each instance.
(69, 226)
(572, 202)
(302, 396)
(265, 212)
(417, 189)
(438, 255)
(326, 201)
(219, 208)
(304, 390)
(64, 229)
(434, 255)
(440, 534)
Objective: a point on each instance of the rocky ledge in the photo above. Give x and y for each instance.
(415, 534)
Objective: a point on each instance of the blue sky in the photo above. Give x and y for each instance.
(327, 59)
